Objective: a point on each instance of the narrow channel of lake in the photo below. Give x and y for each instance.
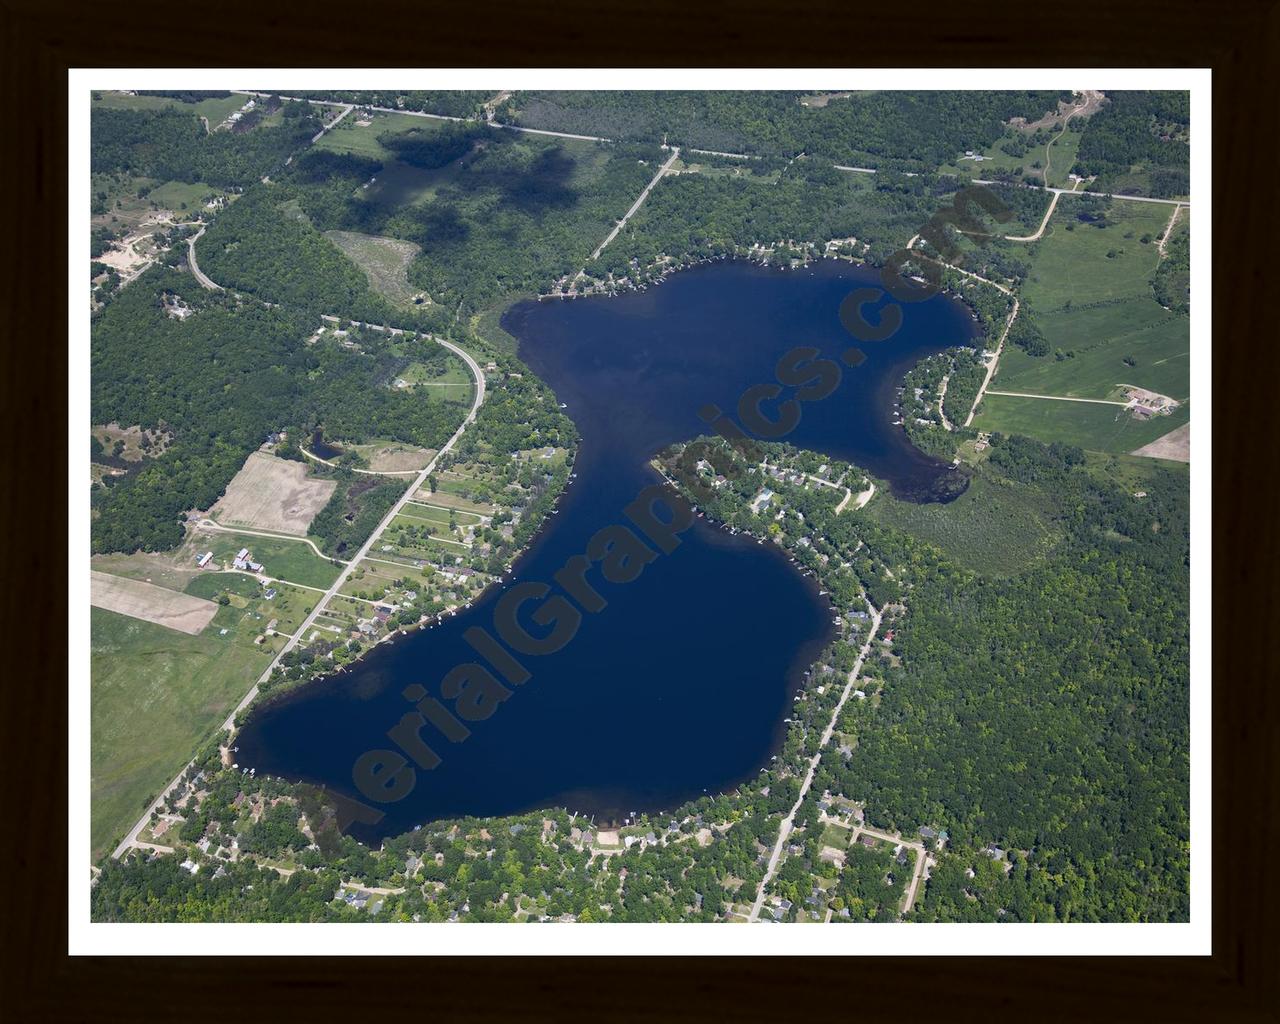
(681, 684)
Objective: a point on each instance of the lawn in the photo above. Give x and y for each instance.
(994, 527)
(362, 140)
(1099, 339)
(182, 197)
(157, 696)
(1089, 264)
(1101, 428)
(216, 110)
(291, 560)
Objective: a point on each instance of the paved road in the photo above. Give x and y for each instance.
(196, 272)
(675, 152)
(995, 360)
(413, 488)
(331, 125)
(789, 821)
(132, 837)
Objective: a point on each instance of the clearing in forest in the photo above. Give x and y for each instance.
(385, 262)
(272, 494)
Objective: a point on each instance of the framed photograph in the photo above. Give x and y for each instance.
(688, 510)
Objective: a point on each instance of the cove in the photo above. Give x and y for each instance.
(681, 684)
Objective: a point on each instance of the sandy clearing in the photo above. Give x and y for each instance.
(146, 601)
(272, 494)
(398, 458)
(1175, 445)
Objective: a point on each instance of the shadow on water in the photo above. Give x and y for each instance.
(680, 685)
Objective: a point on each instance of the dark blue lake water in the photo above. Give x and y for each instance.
(680, 685)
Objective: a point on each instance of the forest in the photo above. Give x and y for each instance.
(1046, 712)
(700, 215)
(262, 246)
(901, 129)
(1172, 281)
(511, 214)
(1147, 132)
(221, 379)
(171, 145)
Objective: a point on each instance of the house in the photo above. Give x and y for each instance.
(927, 833)
(270, 594)
(994, 852)
(190, 865)
(243, 561)
(204, 559)
(867, 841)
(761, 500)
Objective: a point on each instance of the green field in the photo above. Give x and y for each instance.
(1061, 157)
(182, 197)
(291, 560)
(362, 140)
(1133, 472)
(1099, 340)
(994, 527)
(385, 262)
(1074, 266)
(216, 110)
(1101, 428)
(157, 696)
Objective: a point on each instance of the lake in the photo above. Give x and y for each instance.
(681, 684)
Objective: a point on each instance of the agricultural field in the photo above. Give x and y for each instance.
(1102, 428)
(272, 494)
(1174, 446)
(1080, 263)
(1089, 293)
(146, 601)
(385, 262)
(157, 695)
(994, 527)
(1132, 341)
